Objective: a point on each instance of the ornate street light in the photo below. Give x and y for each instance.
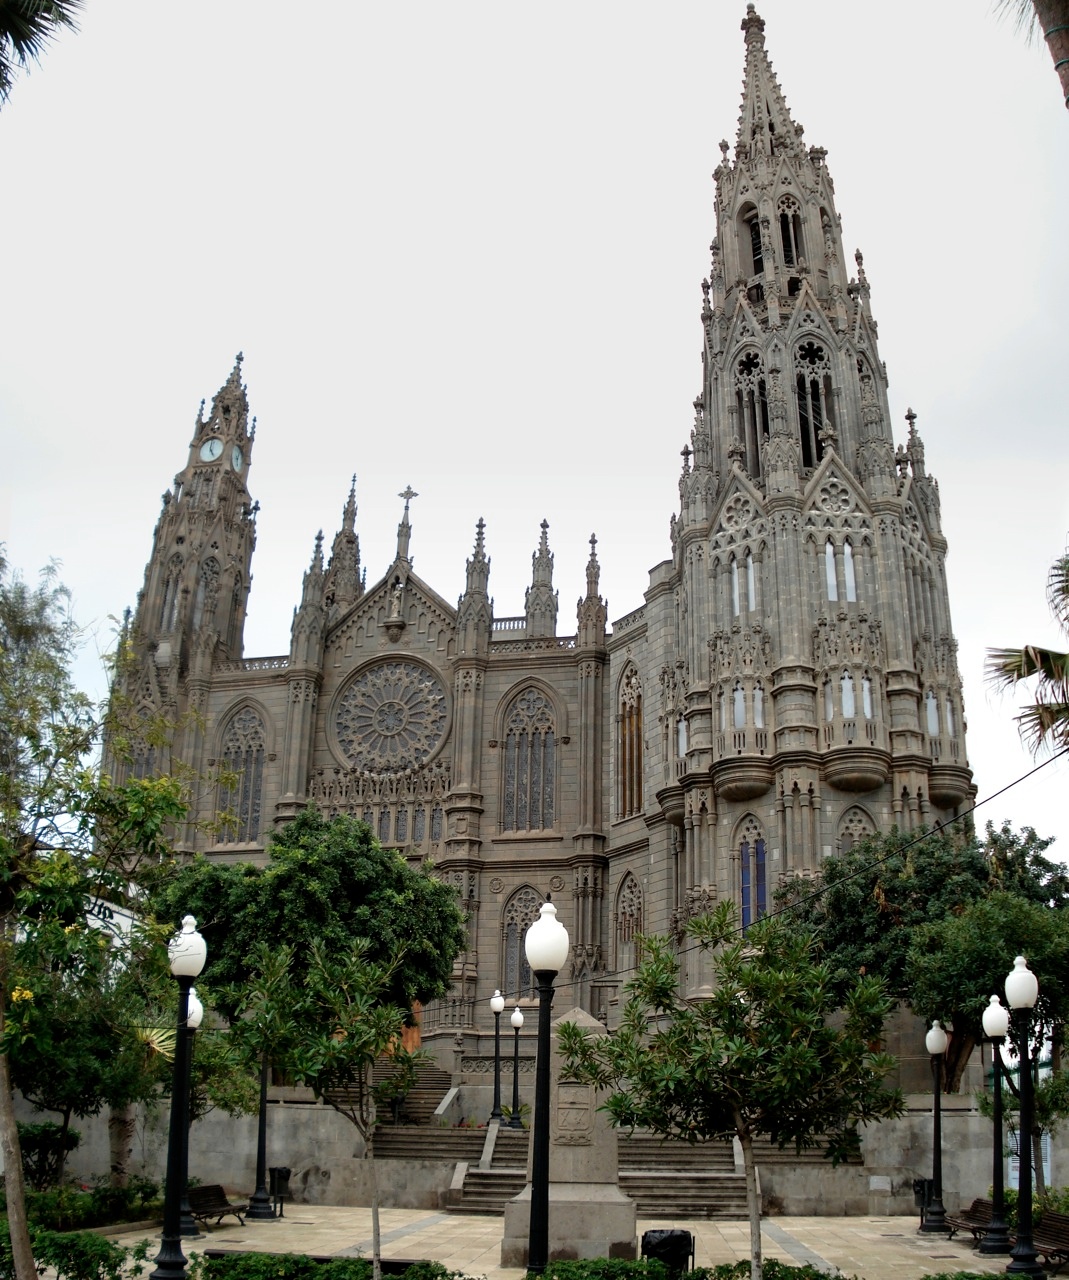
(1022, 992)
(517, 1022)
(189, 1227)
(260, 1207)
(936, 1042)
(546, 946)
(187, 954)
(497, 1004)
(996, 1239)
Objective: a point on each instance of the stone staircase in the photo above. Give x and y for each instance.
(432, 1084)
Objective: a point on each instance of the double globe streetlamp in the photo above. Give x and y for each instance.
(497, 1005)
(517, 1022)
(546, 946)
(996, 1238)
(187, 953)
(936, 1042)
(1022, 992)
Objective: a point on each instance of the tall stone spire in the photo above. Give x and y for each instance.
(475, 608)
(541, 600)
(765, 124)
(343, 585)
(593, 611)
(404, 529)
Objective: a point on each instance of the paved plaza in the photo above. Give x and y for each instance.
(873, 1248)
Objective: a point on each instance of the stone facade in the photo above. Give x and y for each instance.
(788, 684)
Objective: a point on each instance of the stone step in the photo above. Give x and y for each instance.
(418, 1142)
(693, 1195)
(649, 1151)
(487, 1190)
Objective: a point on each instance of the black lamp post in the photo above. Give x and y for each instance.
(517, 1022)
(1022, 991)
(935, 1215)
(546, 945)
(497, 1004)
(189, 1228)
(187, 954)
(996, 1239)
(260, 1207)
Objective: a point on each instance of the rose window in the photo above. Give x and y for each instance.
(392, 718)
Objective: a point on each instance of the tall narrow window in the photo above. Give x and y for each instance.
(520, 912)
(681, 738)
(751, 585)
(751, 224)
(813, 389)
(829, 700)
(931, 703)
(738, 703)
(751, 404)
(847, 684)
(530, 764)
(759, 706)
(790, 230)
(951, 730)
(629, 746)
(243, 754)
(722, 711)
(207, 587)
(384, 826)
(866, 697)
(171, 587)
(829, 570)
(734, 587)
(753, 880)
(848, 571)
(628, 923)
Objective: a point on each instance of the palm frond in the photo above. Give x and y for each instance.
(26, 27)
(1058, 590)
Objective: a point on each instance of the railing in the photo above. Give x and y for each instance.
(279, 663)
(510, 624)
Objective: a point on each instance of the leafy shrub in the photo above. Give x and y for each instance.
(71, 1209)
(45, 1148)
(75, 1255)
(609, 1269)
(295, 1266)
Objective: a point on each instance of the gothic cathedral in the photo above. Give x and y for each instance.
(788, 684)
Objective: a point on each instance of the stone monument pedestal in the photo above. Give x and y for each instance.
(589, 1216)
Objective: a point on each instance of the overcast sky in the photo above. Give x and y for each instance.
(461, 248)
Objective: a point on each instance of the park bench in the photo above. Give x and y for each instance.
(1050, 1236)
(976, 1218)
(210, 1202)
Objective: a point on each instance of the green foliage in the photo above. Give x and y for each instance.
(775, 1049)
(327, 881)
(69, 1208)
(295, 1266)
(45, 1147)
(76, 1255)
(390, 1092)
(607, 1269)
(773, 1269)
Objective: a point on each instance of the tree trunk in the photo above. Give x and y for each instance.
(753, 1199)
(958, 1053)
(1053, 19)
(21, 1249)
(376, 1241)
(1037, 1160)
(122, 1122)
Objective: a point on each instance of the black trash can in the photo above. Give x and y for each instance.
(923, 1191)
(279, 1176)
(673, 1247)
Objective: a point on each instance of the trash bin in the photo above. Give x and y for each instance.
(923, 1190)
(673, 1247)
(279, 1186)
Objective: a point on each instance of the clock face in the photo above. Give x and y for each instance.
(237, 458)
(211, 449)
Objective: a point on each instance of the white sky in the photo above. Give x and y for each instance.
(461, 246)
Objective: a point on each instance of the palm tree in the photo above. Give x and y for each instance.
(1052, 18)
(1046, 722)
(26, 27)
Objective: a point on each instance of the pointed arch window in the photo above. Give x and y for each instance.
(829, 570)
(520, 913)
(207, 588)
(681, 738)
(751, 250)
(721, 705)
(759, 705)
(829, 700)
(734, 587)
(171, 588)
(931, 703)
(753, 879)
(243, 755)
(751, 405)
(629, 745)
(530, 764)
(950, 721)
(866, 696)
(384, 827)
(847, 685)
(848, 571)
(790, 230)
(628, 923)
(814, 397)
(738, 706)
(751, 584)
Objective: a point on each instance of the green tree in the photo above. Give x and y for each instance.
(1045, 723)
(774, 1051)
(68, 835)
(26, 27)
(326, 880)
(867, 905)
(1051, 18)
(332, 1016)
